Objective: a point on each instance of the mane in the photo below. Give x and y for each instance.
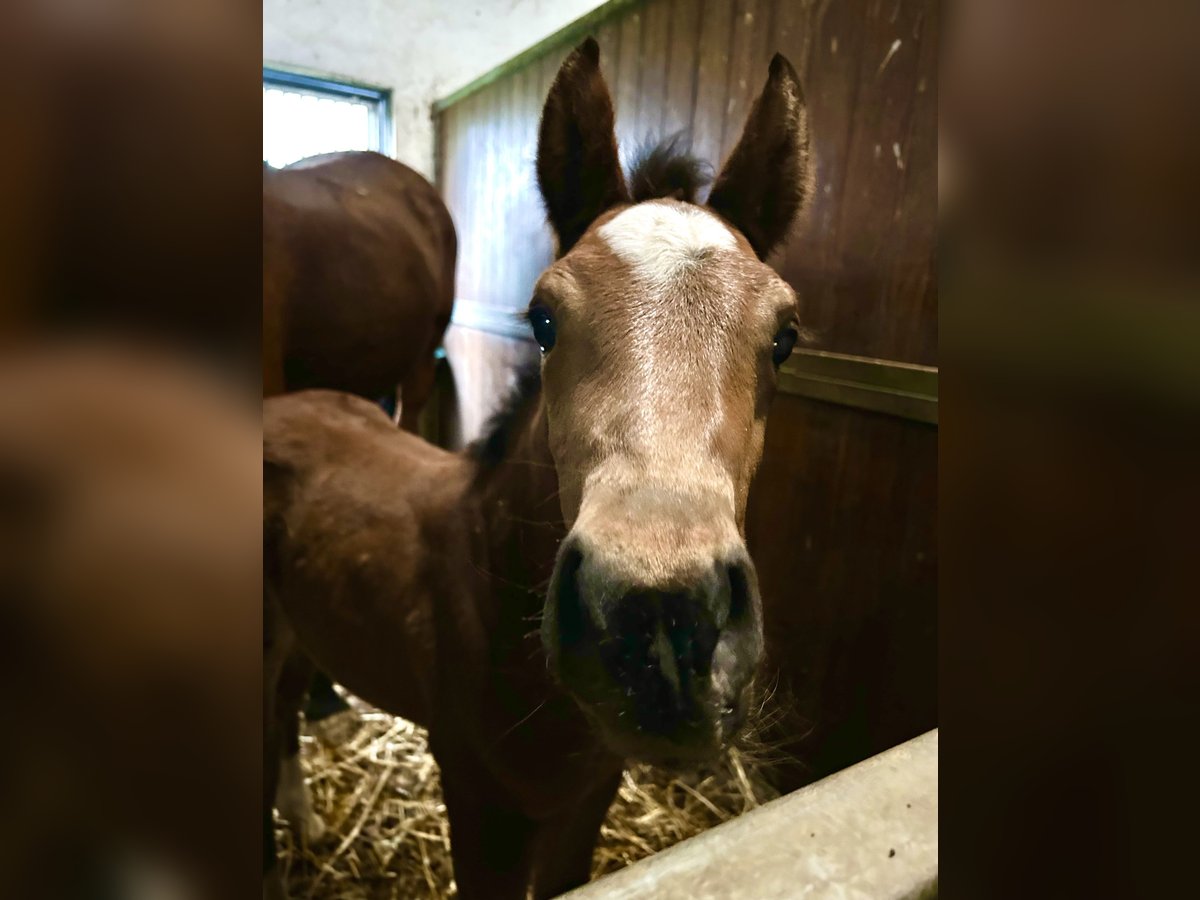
(667, 169)
(492, 448)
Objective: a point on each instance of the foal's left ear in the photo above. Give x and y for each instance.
(768, 176)
(579, 171)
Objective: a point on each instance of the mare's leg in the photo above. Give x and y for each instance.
(323, 700)
(291, 796)
(273, 888)
(414, 393)
(390, 403)
(491, 842)
(272, 744)
(278, 648)
(416, 388)
(568, 841)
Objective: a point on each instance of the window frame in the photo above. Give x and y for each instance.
(338, 88)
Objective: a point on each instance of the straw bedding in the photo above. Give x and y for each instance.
(376, 785)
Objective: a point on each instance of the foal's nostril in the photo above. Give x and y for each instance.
(739, 593)
(572, 617)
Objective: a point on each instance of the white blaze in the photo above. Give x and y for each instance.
(678, 351)
(659, 241)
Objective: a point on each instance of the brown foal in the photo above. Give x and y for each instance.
(574, 591)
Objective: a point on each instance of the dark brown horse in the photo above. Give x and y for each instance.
(574, 592)
(358, 278)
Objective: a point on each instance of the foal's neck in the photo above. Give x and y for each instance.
(520, 508)
(533, 722)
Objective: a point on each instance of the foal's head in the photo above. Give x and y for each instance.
(661, 329)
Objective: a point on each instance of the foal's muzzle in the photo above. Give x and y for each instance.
(661, 665)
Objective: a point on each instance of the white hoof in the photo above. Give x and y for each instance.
(294, 805)
(312, 829)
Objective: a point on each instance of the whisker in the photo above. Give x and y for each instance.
(521, 722)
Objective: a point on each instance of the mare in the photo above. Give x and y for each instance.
(573, 591)
(358, 278)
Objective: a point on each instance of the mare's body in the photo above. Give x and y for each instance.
(358, 278)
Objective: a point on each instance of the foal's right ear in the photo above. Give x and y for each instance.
(578, 169)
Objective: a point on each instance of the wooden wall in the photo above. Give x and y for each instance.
(843, 515)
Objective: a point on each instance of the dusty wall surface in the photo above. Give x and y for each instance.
(421, 49)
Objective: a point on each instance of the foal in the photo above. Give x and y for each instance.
(609, 506)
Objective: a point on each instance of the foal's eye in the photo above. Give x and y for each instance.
(542, 324)
(784, 342)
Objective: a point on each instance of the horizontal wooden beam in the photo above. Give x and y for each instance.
(508, 323)
(568, 35)
(879, 385)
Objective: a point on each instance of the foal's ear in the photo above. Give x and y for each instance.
(578, 169)
(768, 176)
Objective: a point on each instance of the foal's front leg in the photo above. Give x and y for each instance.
(567, 841)
(491, 841)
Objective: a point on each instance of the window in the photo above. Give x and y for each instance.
(304, 115)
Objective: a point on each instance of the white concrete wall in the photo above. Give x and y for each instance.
(421, 49)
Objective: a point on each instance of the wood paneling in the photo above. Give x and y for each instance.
(712, 78)
(842, 527)
(863, 257)
(842, 517)
(482, 367)
(625, 83)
